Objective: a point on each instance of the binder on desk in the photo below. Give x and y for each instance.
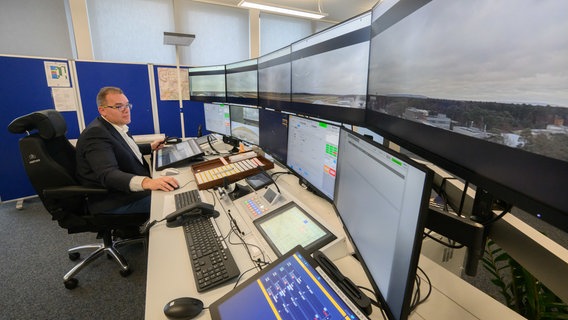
(214, 173)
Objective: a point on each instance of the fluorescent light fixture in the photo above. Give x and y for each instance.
(178, 39)
(282, 10)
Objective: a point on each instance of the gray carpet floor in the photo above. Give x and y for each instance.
(33, 260)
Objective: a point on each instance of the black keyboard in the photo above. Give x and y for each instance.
(212, 263)
(186, 198)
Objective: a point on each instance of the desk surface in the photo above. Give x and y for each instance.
(170, 276)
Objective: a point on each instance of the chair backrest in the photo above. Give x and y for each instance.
(49, 161)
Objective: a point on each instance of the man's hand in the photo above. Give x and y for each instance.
(161, 183)
(158, 144)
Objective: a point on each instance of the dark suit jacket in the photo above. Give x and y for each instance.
(105, 160)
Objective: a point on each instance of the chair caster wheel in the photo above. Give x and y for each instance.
(71, 283)
(74, 256)
(125, 273)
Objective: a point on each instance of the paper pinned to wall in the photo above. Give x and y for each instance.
(57, 74)
(64, 99)
(168, 83)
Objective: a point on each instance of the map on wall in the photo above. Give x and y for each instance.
(168, 83)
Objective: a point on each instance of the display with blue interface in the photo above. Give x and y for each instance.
(312, 152)
(382, 197)
(274, 134)
(289, 226)
(244, 123)
(217, 118)
(289, 288)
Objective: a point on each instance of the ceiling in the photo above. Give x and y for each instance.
(337, 10)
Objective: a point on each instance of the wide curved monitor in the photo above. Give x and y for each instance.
(329, 72)
(478, 88)
(274, 79)
(242, 82)
(207, 84)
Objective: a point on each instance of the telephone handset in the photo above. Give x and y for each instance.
(180, 216)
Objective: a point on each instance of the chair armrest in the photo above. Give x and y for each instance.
(72, 191)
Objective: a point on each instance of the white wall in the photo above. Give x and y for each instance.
(34, 28)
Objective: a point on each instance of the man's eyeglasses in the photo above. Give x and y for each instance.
(120, 107)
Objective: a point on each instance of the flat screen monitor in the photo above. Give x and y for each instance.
(207, 84)
(245, 123)
(292, 287)
(274, 134)
(382, 198)
(217, 118)
(274, 79)
(289, 226)
(179, 154)
(242, 82)
(491, 109)
(329, 72)
(312, 152)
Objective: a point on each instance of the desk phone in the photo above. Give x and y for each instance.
(259, 203)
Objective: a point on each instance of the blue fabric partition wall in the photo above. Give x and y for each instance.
(23, 89)
(133, 79)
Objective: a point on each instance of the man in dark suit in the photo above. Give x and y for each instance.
(108, 157)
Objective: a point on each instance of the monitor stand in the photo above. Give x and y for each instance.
(233, 142)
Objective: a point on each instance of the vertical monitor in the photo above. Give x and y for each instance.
(382, 197)
(312, 152)
(274, 134)
(244, 123)
(217, 118)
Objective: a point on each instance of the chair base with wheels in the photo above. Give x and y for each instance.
(108, 246)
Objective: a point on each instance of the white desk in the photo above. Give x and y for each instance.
(170, 276)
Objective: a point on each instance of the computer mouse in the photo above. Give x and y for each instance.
(170, 172)
(183, 308)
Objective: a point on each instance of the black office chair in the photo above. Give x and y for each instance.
(49, 161)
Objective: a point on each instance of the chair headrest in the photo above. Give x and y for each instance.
(49, 124)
